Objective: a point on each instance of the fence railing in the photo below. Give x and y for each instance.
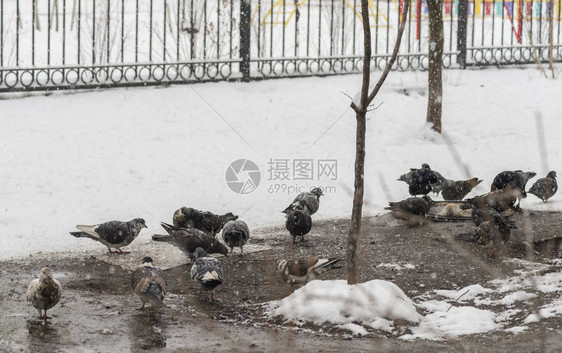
(56, 44)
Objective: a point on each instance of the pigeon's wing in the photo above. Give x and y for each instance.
(113, 232)
(143, 277)
(301, 266)
(204, 266)
(32, 289)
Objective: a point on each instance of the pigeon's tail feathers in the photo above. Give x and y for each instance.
(210, 276)
(328, 264)
(465, 237)
(86, 232)
(168, 227)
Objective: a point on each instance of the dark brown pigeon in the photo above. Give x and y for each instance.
(208, 222)
(546, 187)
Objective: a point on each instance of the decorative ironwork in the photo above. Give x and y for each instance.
(70, 44)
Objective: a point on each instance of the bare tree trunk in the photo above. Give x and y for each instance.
(361, 110)
(435, 68)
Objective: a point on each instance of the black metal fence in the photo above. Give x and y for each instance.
(55, 44)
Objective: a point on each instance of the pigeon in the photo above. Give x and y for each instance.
(148, 284)
(515, 179)
(455, 190)
(546, 187)
(208, 222)
(423, 180)
(236, 233)
(308, 201)
(408, 177)
(189, 239)
(44, 292)
(113, 234)
(298, 223)
(414, 205)
(500, 200)
(304, 270)
(207, 271)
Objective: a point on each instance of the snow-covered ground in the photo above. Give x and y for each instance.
(91, 157)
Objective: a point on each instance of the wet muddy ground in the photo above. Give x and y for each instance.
(97, 310)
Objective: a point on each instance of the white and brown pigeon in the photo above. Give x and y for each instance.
(113, 234)
(546, 187)
(236, 233)
(298, 223)
(148, 284)
(189, 239)
(207, 271)
(308, 201)
(304, 270)
(44, 292)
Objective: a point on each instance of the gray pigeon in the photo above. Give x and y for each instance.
(44, 292)
(545, 188)
(304, 270)
(189, 239)
(308, 201)
(517, 179)
(413, 205)
(236, 233)
(113, 234)
(455, 190)
(208, 222)
(298, 223)
(148, 284)
(207, 271)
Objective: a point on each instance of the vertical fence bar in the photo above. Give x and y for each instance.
(79, 28)
(297, 15)
(178, 34)
(271, 30)
(64, 32)
(503, 17)
(1, 33)
(308, 30)
(483, 30)
(192, 33)
(354, 22)
(559, 20)
(388, 24)
(122, 31)
(530, 23)
(319, 28)
(17, 32)
(342, 27)
(33, 18)
(137, 31)
(450, 29)
(332, 24)
(205, 29)
(473, 22)
(150, 35)
(245, 31)
(377, 30)
(461, 32)
(93, 32)
(409, 27)
(108, 28)
(218, 27)
(232, 29)
(164, 35)
(283, 33)
(259, 30)
(540, 23)
(493, 20)
(49, 32)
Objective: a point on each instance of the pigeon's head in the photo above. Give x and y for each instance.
(139, 223)
(281, 265)
(317, 191)
(551, 174)
(426, 166)
(147, 261)
(428, 200)
(46, 274)
(200, 252)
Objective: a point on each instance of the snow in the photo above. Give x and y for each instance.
(96, 156)
(339, 303)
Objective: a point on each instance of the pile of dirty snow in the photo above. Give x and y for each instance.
(375, 304)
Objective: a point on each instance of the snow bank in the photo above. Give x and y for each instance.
(339, 303)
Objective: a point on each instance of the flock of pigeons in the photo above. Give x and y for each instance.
(194, 232)
(492, 228)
